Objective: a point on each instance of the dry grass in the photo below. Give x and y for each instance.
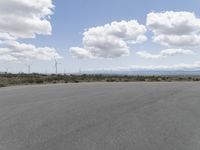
(25, 79)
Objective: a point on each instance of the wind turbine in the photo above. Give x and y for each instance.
(80, 71)
(56, 65)
(6, 69)
(29, 68)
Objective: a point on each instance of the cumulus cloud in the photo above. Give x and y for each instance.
(145, 54)
(164, 53)
(6, 36)
(24, 19)
(80, 53)
(20, 19)
(175, 29)
(15, 51)
(110, 40)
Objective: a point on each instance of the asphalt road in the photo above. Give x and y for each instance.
(101, 116)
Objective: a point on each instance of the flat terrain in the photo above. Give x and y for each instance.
(101, 116)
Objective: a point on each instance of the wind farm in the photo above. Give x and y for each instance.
(99, 75)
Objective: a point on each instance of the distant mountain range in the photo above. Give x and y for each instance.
(144, 72)
(139, 72)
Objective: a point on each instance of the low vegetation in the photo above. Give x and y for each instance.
(25, 79)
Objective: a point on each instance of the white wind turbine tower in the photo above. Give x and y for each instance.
(56, 65)
(29, 68)
(6, 69)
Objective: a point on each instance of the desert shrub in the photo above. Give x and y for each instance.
(13, 82)
(30, 80)
(110, 80)
(196, 79)
(75, 81)
(2, 85)
(39, 81)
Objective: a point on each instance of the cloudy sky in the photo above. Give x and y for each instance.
(93, 35)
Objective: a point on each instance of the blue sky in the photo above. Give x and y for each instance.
(72, 17)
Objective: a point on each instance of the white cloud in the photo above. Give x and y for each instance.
(164, 53)
(80, 53)
(8, 57)
(175, 29)
(24, 19)
(15, 51)
(145, 54)
(175, 67)
(183, 66)
(21, 19)
(6, 36)
(178, 40)
(172, 52)
(110, 40)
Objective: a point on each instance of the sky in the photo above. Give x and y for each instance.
(97, 35)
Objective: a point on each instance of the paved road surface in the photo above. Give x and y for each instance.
(101, 116)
